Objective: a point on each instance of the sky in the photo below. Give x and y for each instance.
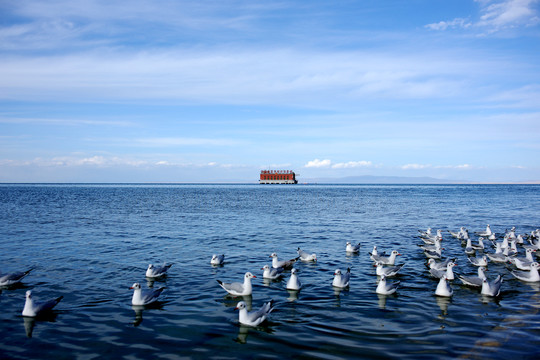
(216, 91)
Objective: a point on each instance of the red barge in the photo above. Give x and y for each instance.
(278, 177)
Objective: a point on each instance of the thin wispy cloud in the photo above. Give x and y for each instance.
(495, 15)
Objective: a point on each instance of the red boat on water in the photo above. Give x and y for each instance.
(278, 177)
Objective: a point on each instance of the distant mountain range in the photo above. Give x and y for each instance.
(369, 179)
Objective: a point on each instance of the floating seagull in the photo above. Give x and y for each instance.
(217, 259)
(475, 281)
(156, 271)
(13, 278)
(480, 245)
(438, 265)
(449, 273)
(239, 289)
(433, 254)
(350, 248)
(34, 308)
(145, 297)
(271, 273)
(387, 260)
(443, 288)
(374, 253)
(492, 288)
(432, 238)
(529, 276)
(286, 264)
(388, 271)
(253, 318)
(523, 263)
(485, 233)
(476, 261)
(294, 283)
(499, 257)
(384, 288)
(436, 245)
(304, 256)
(426, 233)
(341, 281)
(458, 235)
(469, 250)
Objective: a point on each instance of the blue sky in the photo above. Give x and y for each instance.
(205, 91)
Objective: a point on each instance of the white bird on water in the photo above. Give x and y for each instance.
(253, 318)
(156, 271)
(217, 259)
(385, 288)
(375, 253)
(271, 273)
(341, 280)
(469, 250)
(34, 308)
(500, 257)
(480, 245)
(293, 283)
(476, 261)
(286, 264)
(443, 288)
(387, 260)
(492, 288)
(305, 256)
(350, 248)
(430, 239)
(523, 263)
(449, 273)
(13, 278)
(486, 233)
(239, 289)
(438, 265)
(529, 276)
(387, 271)
(144, 297)
(475, 281)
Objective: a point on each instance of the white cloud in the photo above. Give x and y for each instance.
(508, 13)
(495, 15)
(318, 163)
(415, 166)
(352, 164)
(456, 23)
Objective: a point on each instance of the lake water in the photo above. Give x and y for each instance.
(90, 243)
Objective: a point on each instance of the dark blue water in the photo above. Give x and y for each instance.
(90, 243)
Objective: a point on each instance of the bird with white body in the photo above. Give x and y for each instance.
(286, 264)
(271, 273)
(385, 288)
(157, 271)
(306, 257)
(144, 297)
(237, 288)
(217, 259)
(253, 318)
(341, 280)
(34, 308)
(294, 283)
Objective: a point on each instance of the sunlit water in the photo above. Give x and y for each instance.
(90, 243)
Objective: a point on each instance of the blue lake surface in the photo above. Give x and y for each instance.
(90, 243)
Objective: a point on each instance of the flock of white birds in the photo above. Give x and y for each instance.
(506, 250)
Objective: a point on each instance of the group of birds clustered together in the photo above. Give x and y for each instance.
(506, 251)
